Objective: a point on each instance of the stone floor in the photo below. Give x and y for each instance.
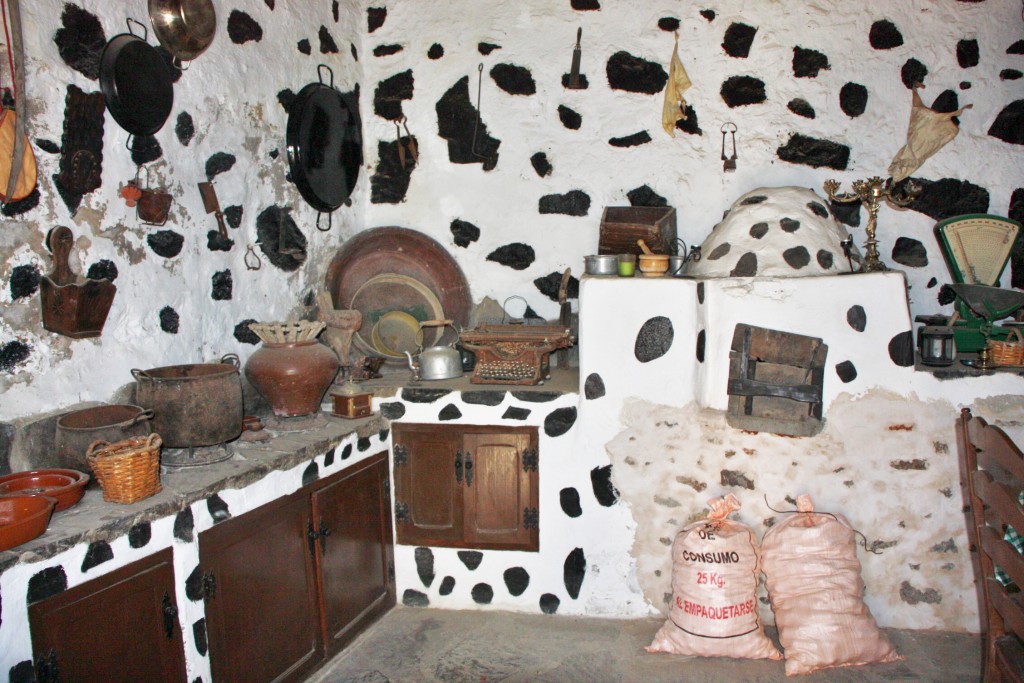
(413, 645)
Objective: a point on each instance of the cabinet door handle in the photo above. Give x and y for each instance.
(469, 468)
(170, 612)
(324, 531)
(311, 536)
(458, 467)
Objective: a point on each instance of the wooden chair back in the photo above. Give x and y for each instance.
(992, 469)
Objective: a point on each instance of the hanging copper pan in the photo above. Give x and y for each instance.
(185, 28)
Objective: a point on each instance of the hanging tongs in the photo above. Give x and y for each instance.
(409, 144)
(729, 162)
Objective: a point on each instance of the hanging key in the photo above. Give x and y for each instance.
(729, 162)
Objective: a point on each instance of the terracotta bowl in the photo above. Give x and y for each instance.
(65, 486)
(22, 518)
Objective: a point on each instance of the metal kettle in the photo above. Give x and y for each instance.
(435, 362)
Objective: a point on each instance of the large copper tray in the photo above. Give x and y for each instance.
(398, 254)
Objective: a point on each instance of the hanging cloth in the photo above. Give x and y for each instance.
(678, 82)
(928, 132)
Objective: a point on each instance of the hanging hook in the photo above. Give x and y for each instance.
(252, 259)
(729, 161)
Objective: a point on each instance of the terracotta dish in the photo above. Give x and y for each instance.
(22, 518)
(64, 486)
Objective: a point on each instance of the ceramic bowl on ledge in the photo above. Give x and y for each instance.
(23, 518)
(65, 486)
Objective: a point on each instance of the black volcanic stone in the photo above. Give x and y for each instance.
(13, 354)
(901, 349)
(701, 344)
(535, 396)
(746, 266)
(948, 197)
(375, 17)
(104, 269)
(569, 118)
(97, 553)
(327, 44)
(464, 232)
(967, 53)
(572, 203)
(194, 585)
(387, 50)
(199, 634)
(447, 586)
(363, 444)
(275, 228)
(700, 292)
(184, 129)
(796, 257)
(654, 339)
(233, 216)
(758, 230)
(471, 558)
(482, 594)
(723, 249)
(457, 120)
(414, 598)
(884, 35)
(593, 386)
(689, 124)
(48, 146)
(814, 152)
(1016, 49)
(218, 508)
(755, 199)
(847, 214)
(487, 48)
(739, 91)
(932, 282)
(946, 102)
(513, 79)
(517, 256)
(668, 24)
(559, 421)
(169, 320)
(708, 14)
(585, 5)
(242, 28)
(214, 242)
(913, 73)
(645, 196)
(550, 283)
(329, 458)
(965, 85)
(601, 481)
(517, 580)
(184, 526)
(448, 413)
(946, 295)
(549, 603)
(80, 40)
(818, 209)
(633, 74)
(392, 410)
(540, 164)
(1009, 124)
(909, 252)
(801, 107)
(583, 82)
(789, 225)
(846, 371)
(390, 180)
(221, 286)
(139, 535)
(71, 199)
(311, 473)
(569, 498)
(425, 565)
(46, 584)
(436, 51)
(388, 96)
(346, 452)
(165, 243)
(219, 162)
(1016, 212)
(641, 138)
(244, 334)
(574, 569)
(483, 398)
(24, 281)
(807, 63)
(738, 38)
(1010, 74)
(304, 46)
(514, 413)
(857, 318)
(853, 99)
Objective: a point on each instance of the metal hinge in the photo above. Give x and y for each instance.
(531, 518)
(530, 460)
(47, 670)
(401, 513)
(391, 572)
(401, 454)
(387, 489)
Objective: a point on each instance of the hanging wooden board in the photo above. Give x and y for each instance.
(28, 175)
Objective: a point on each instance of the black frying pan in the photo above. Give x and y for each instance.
(136, 83)
(325, 145)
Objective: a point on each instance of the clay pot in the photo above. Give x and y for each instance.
(293, 376)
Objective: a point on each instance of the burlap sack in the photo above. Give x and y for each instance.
(814, 584)
(714, 591)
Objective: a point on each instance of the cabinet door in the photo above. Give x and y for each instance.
(428, 499)
(261, 603)
(119, 627)
(501, 490)
(352, 513)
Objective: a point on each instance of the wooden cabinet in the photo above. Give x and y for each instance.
(466, 486)
(122, 626)
(289, 583)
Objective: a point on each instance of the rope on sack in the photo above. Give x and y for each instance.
(864, 539)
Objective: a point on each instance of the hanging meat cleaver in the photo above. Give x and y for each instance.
(210, 203)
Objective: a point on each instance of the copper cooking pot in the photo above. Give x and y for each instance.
(185, 28)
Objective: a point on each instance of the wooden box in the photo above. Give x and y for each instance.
(352, 405)
(622, 226)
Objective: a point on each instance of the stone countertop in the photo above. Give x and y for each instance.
(94, 519)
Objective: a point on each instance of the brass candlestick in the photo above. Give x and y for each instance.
(872, 193)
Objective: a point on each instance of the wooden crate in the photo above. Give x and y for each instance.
(622, 226)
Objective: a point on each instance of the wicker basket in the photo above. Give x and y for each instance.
(1009, 352)
(127, 470)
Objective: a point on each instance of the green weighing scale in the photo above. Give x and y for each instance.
(977, 248)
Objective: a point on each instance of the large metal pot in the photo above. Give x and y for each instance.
(185, 28)
(79, 428)
(193, 405)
